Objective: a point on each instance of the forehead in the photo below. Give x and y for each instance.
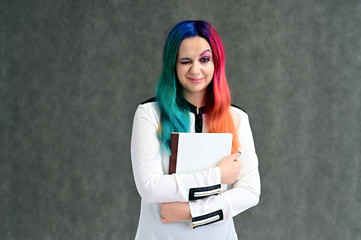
(193, 46)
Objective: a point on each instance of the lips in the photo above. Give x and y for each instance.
(195, 80)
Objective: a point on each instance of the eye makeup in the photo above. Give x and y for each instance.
(205, 57)
(185, 60)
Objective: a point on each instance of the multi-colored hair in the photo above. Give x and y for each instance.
(173, 107)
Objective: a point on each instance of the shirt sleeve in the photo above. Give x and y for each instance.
(151, 181)
(244, 193)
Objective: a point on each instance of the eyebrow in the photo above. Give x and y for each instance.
(204, 52)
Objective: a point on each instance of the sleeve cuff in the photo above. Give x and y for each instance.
(203, 192)
(206, 191)
(206, 219)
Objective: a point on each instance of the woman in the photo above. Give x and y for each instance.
(192, 96)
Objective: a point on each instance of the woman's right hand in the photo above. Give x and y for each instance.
(230, 168)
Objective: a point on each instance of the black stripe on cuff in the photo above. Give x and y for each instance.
(209, 215)
(202, 189)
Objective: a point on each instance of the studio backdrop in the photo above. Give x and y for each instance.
(72, 74)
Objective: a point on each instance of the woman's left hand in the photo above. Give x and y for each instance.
(174, 212)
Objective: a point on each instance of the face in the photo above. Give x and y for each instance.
(195, 67)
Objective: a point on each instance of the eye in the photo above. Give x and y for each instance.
(184, 62)
(205, 59)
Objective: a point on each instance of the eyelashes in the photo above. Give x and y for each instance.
(202, 60)
(205, 59)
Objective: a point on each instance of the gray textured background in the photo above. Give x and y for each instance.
(73, 73)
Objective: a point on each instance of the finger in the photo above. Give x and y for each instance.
(237, 154)
(237, 164)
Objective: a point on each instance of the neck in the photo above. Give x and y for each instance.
(196, 99)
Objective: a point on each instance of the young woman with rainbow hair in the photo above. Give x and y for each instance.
(192, 95)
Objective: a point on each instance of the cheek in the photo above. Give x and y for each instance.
(210, 71)
(180, 70)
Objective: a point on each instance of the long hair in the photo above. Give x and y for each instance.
(173, 107)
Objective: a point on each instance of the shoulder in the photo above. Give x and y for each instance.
(150, 100)
(149, 103)
(237, 110)
(239, 115)
(148, 109)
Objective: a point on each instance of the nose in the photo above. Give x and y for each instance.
(195, 68)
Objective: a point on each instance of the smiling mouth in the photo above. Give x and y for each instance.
(195, 80)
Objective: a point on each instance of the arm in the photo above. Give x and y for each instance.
(245, 191)
(152, 183)
(179, 211)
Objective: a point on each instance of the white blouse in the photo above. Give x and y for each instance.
(212, 215)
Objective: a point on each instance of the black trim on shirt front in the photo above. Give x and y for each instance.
(193, 108)
(198, 123)
(198, 116)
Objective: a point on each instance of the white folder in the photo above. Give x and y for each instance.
(198, 151)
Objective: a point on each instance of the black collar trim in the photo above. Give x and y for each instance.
(193, 108)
